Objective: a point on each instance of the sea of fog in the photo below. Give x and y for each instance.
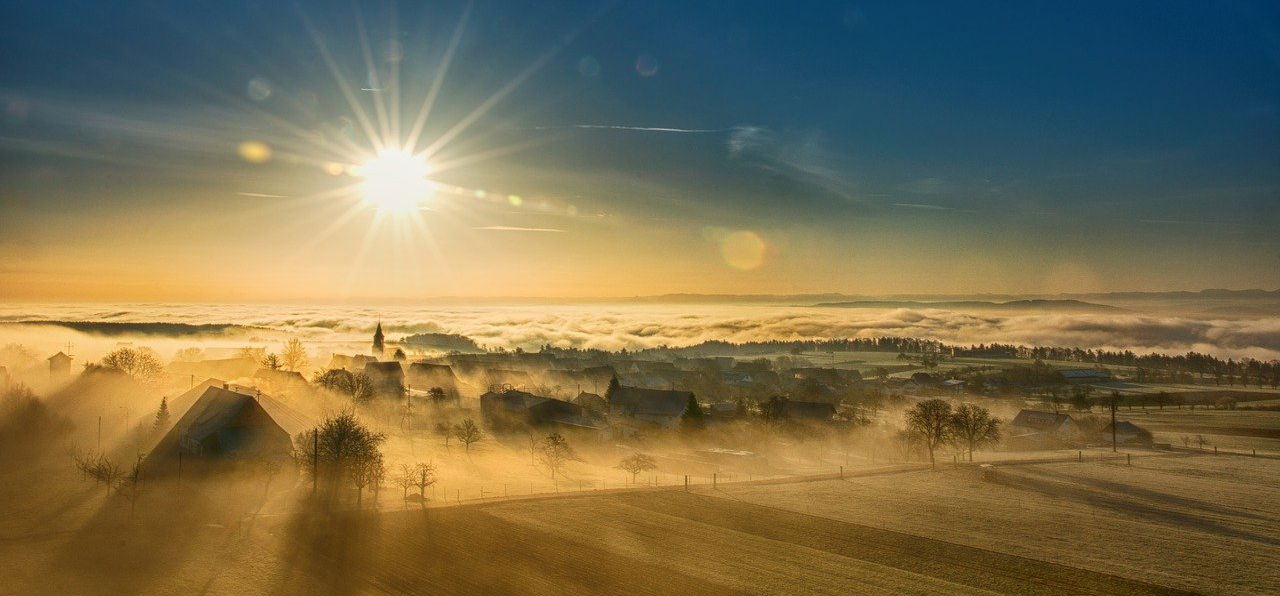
(43, 327)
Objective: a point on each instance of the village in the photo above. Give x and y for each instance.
(723, 413)
(285, 452)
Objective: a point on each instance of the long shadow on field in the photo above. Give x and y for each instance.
(1117, 502)
(1112, 487)
(124, 551)
(988, 570)
(458, 550)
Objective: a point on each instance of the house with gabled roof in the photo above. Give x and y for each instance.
(223, 425)
(661, 407)
(1035, 429)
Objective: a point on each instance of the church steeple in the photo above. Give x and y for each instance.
(377, 340)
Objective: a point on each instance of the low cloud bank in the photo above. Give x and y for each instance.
(628, 326)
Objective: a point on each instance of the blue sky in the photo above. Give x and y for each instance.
(1041, 146)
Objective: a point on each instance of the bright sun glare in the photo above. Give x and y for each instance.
(395, 181)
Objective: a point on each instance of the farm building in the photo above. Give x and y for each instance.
(1033, 429)
(510, 409)
(1128, 433)
(224, 425)
(592, 402)
(660, 407)
(424, 375)
(387, 377)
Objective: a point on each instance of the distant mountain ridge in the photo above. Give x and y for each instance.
(1034, 304)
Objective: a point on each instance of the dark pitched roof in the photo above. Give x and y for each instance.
(652, 402)
(1124, 426)
(389, 367)
(511, 400)
(1039, 420)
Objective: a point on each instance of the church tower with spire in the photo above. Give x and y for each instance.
(378, 346)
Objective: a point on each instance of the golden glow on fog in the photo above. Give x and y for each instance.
(394, 181)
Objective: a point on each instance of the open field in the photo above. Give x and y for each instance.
(1169, 523)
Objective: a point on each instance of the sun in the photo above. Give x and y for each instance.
(395, 181)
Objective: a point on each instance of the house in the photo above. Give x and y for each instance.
(592, 401)
(510, 409)
(280, 380)
(1033, 429)
(1128, 433)
(59, 368)
(810, 411)
(387, 377)
(661, 407)
(224, 425)
(1077, 376)
(424, 375)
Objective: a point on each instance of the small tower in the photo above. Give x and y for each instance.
(59, 368)
(378, 346)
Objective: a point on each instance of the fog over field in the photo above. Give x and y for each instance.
(618, 326)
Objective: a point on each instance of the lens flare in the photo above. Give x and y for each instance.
(743, 249)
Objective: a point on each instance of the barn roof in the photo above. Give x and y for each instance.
(1038, 420)
(653, 402)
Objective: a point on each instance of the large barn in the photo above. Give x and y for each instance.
(223, 425)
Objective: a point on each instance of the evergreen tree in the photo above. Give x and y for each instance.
(162, 415)
(692, 417)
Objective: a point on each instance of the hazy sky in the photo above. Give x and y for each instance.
(584, 149)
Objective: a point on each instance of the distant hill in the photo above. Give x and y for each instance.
(111, 328)
(1024, 305)
(445, 342)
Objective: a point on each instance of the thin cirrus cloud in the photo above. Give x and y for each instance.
(517, 229)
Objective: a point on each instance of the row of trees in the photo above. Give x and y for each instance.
(934, 423)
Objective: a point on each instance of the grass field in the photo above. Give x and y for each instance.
(1167, 524)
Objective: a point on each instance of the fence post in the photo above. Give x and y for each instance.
(686, 483)
(1255, 453)
(1128, 458)
(1080, 456)
(1215, 449)
(842, 472)
(713, 480)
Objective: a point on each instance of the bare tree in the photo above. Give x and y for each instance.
(467, 433)
(636, 463)
(140, 363)
(407, 477)
(368, 471)
(294, 356)
(930, 421)
(444, 431)
(338, 450)
(974, 425)
(424, 475)
(100, 468)
(554, 453)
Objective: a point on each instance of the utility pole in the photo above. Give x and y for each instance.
(315, 457)
(1114, 399)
